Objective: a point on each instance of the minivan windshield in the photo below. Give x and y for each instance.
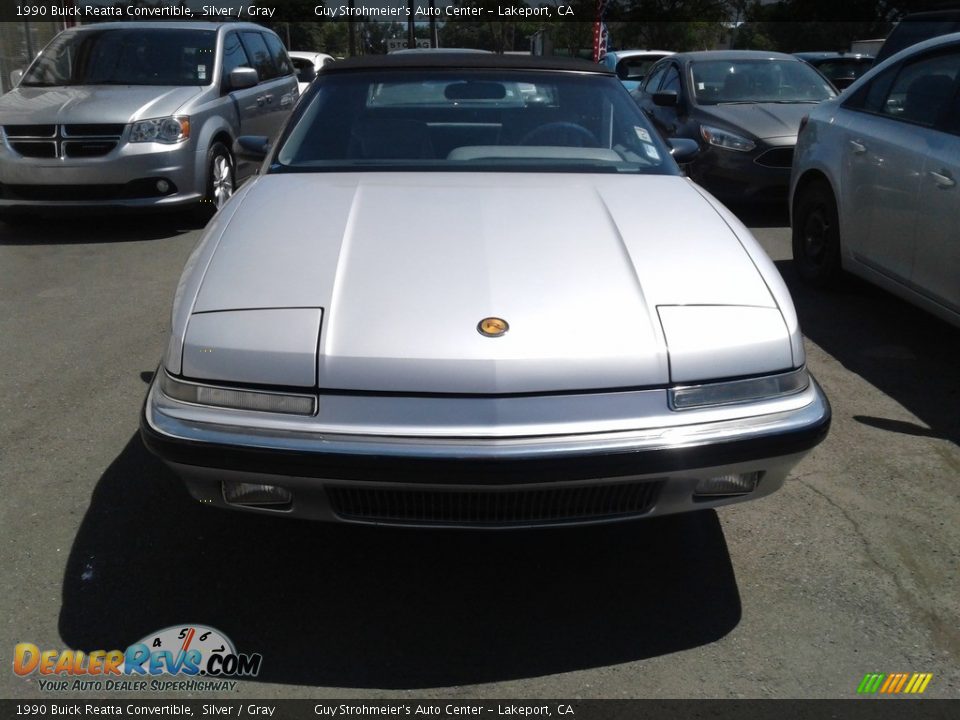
(125, 56)
(450, 119)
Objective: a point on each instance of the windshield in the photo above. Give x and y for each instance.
(844, 68)
(134, 56)
(756, 81)
(472, 120)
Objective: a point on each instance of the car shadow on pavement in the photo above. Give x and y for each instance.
(359, 607)
(67, 230)
(903, 351)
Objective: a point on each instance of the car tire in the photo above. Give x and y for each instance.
(221, 179)
(816, 236)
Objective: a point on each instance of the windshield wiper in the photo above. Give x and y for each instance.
(40, 84)
(795, 102)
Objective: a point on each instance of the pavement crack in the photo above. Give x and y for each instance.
(941, 632)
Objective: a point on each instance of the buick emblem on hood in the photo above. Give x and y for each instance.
(492, 326)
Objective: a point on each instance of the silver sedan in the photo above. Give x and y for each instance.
(450, 301)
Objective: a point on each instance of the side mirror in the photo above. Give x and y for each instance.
(242, 78)
(666, 98)
(15, 77)
(306, 74)
(253, 147)
(683, 150)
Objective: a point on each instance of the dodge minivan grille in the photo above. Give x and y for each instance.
(483, 507)
(63, 141)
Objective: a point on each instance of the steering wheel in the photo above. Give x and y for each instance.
(567, 134)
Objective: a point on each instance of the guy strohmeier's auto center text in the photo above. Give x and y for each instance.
(450, 11)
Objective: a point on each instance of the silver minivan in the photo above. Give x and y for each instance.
(140, 115)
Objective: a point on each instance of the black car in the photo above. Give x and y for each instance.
(743, 107)
(917, 27)
(840, 68)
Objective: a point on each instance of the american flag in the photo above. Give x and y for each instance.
(600, 35)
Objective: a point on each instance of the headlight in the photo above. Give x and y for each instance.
(726, 140)
(162, 130)
(236, 399)
(739, 391)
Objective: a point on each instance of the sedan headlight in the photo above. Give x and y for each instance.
(235, 398)
(725, 139)
(163, 130)
(739, 391)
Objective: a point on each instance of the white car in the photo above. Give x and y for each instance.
(874, 180)
(447, 303)
(307, 65)
(632, 66)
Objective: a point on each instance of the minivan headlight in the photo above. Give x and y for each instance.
(767, 387)
(163, 130)
(236, 398)
(725, 139)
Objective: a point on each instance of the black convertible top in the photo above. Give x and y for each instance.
(455, 60)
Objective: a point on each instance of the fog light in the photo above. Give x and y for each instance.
(733, 484)
(256, 495)
(163, 187)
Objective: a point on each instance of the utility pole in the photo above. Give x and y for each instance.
(434, 38)
(351, 32)
(411, 35)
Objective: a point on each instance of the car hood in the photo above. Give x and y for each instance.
(405, 266)
(761, 120)
(91, 103)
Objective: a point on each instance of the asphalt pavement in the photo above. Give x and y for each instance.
(851, 568)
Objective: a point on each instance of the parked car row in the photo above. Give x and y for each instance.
(871, 173)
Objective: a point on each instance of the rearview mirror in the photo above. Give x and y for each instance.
(475, 90)
(242, 78)
(306, 74)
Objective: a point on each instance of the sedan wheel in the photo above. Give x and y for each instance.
(816, 236)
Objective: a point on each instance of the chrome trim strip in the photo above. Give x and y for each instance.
(680, 436)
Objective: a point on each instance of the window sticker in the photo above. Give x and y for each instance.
(202, 72)
(642, 134)
(651, 152)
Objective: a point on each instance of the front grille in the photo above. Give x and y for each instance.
(114, 130)
(781, 157)
(34, 149)
(493, 507)
(30, 131)
(87, 148)
(63, 141)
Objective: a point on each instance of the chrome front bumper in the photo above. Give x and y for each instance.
(207, 447)
(113, 180)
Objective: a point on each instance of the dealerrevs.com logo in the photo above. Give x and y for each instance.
(180, 657)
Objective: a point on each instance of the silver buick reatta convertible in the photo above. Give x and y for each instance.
(476, 290)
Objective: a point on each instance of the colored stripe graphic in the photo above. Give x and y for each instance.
(870, 683)
(894, 683)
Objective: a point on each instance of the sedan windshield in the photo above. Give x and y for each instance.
(758, 81)
(447, 119)
(134, 56)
